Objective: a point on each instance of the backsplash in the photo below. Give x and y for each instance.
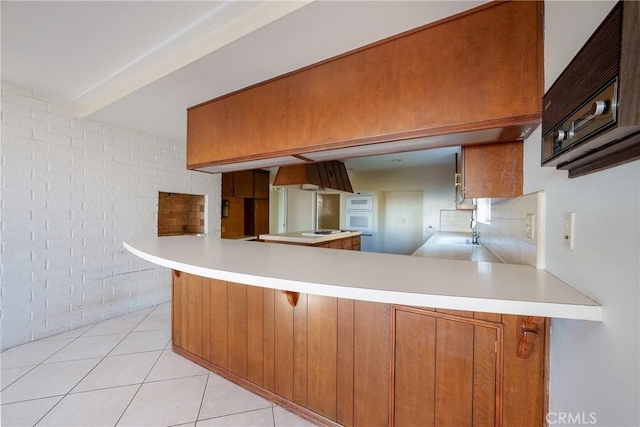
(455, 220)
(180, 214)
(506, 236)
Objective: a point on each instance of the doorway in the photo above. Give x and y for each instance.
(403, 222)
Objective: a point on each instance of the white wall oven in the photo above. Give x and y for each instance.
(360, 213)
(360, 203)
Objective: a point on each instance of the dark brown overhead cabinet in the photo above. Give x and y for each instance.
(477, 71)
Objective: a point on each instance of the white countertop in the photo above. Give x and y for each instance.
(453, 245)
(302, 237)
(387, 278)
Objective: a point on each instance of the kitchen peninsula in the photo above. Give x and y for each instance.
(333, 239)
(396, 340)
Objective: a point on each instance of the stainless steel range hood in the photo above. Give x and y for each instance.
(315, 176)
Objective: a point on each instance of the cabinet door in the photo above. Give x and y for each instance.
(446, 369)
(243, 183)
(261, 184)
(492, 170)
(261, 217)
(227, 184)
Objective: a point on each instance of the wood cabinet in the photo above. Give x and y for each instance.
(351, 243)
(248, 196)
(356, 363)
(238, 184)
(387, 91)
(492, 170)
(252, 184)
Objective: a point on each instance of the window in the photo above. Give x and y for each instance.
(483, 210)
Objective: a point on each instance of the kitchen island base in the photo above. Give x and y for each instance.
(337, 361)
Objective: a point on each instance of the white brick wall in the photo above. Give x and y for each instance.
(72, 191)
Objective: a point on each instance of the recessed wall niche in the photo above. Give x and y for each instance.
(180, 214)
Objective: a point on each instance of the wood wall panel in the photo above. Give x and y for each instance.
(178, 327)
(344, 409)
(218, 293)
(268, 316)
(237, 327)
(194, 314)
(300, 353)
(484, 376)
(386, 91)
(255, 334)
(372, 356)
(206, 318)
(322, 369)
(415, 369)
(454, 382)
(283, 350)
(523, 378)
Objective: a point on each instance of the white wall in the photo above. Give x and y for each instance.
(595, 367)
(436, 183)
(72, 192)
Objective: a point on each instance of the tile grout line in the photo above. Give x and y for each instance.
(204, 392)
(91, 370)
(138, 390)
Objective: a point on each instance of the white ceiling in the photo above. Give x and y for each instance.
(140, 64)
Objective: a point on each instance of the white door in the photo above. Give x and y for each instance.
(403, 222)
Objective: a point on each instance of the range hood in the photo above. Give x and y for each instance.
(315, 176)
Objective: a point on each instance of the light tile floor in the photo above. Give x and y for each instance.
(122, 372)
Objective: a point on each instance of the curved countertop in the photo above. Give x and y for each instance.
(368, 276)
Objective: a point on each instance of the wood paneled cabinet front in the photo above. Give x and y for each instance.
(356, 363)
(492, 170)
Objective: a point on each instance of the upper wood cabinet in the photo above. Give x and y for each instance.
(237, 184)
(478, 70)
(492, 170)
(260, 184)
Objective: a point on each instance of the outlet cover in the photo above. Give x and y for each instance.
(531, 226)
(569, 227)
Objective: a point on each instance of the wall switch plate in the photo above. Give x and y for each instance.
(531, 226)
(569, 225)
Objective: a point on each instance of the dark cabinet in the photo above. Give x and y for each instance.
(248, 196)
(239, 184)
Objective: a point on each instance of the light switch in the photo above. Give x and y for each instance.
(531, 226)
(569, 221)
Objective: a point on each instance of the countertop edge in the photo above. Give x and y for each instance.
(592, 312)
(310, 240)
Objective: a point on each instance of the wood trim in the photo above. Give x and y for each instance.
(301, 411)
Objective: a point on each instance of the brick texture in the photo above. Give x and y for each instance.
(72, 191)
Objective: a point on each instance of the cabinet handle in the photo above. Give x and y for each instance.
(528, 335)
(292, 297)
